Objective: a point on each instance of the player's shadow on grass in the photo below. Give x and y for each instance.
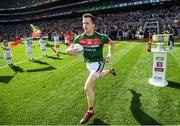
(173, 85)
(63, 53)
(42, 69)
(54, 58)
(39, 62)
(5, 79)
(141, 117)
(97, 121)
(17, 69)
(48, 45)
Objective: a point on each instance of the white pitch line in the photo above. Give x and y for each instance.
(14, 64)
(22, 62)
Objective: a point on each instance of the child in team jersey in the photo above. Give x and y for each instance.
(7, 53)
(28, 43)
(171, 43)
(42, 46)
(57, 42)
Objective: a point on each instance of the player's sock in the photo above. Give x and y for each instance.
(44, 53)
(9, 64)
(57, 55)
(30, 56)
(9, 61)
(87, 116)
(90, 109)
(57, 50)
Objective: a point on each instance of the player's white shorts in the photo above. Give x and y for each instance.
(28, 49)
(42, 45)
(141, 36)
(95, 68)
(7, 54)
(66, 41)
(57, 42)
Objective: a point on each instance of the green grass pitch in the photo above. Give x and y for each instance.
(50, 91)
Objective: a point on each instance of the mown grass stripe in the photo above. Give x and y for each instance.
(57, 96)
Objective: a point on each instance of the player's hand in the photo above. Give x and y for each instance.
(71, 51)
(107, 59)
(71, 45)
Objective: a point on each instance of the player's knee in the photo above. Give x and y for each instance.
(87, 88)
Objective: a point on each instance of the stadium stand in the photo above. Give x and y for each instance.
(119, 22)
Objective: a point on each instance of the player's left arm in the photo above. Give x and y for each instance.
(110, 50)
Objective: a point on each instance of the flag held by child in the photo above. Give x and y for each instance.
(36, 31)
(15, 43)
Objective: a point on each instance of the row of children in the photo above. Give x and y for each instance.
(28, 43)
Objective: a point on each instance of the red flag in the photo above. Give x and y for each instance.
(15, 43)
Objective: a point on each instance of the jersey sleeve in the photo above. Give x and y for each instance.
(3, 47)
(105, 39)
(76, 39)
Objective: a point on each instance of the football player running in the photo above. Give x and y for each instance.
(93, 43)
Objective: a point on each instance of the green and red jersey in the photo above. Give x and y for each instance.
(93, 46)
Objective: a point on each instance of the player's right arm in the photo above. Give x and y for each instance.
(2, 48)
(70, 50)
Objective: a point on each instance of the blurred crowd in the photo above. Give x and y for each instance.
(21, 3)
(119, 25)
(27, 3)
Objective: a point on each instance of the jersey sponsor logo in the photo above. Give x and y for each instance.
(159, 69)
(86, 42)
(160, 58)
(90, 50)
(159, 64)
